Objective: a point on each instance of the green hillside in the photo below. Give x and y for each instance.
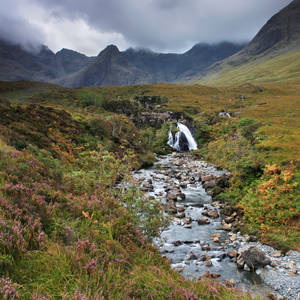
(273, 69)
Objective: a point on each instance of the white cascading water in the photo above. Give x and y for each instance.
(171, 139)
(182, 128)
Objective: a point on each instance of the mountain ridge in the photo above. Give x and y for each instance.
(110, 67)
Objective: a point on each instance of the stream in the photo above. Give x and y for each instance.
(198, 241)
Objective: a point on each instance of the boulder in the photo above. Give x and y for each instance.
(207, 178)
(254, 258)
(212, 213)
(209, 184)
(203, 221)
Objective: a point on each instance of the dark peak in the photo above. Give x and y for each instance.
(281, 29)
(65, 51)
(110, 50)
(44, 50)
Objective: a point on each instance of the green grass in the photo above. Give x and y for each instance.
(274, 69)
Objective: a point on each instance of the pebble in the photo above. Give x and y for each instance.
(233, 238)
(276, 254)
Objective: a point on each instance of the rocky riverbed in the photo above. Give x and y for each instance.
(202, 240)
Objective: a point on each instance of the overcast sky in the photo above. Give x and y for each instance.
(88, 26)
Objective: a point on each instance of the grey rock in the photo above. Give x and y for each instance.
(203, 221)
(255, 258)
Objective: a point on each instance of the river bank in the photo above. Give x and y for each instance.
(202, 242)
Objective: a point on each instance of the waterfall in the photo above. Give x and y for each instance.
(171, 139)
(184, 140)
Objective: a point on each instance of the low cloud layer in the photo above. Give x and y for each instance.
(161, 25)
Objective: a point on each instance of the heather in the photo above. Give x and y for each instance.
(67, 231)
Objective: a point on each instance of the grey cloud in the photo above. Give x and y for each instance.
(172, 24)
(167, 25)
(16, 29)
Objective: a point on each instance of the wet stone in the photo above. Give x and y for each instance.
(293, 272)
(255, 258)
(180, 208)
(209, 184)
(205, 247)
(226, 227)
(177, 243)
(203, 221)
(180, 215)
(191, 256)
(233, 238)
(232, 253)
(207, 178)
(208, 263)
(276, 254)
(198, 205)
(188, 226)
(212, 213)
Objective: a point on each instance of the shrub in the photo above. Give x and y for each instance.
(272, 201)
(248, 127)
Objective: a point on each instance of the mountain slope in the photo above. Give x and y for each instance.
(110, 67)
(275, 46)
(17, 63)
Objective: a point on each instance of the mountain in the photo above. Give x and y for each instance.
(110, 67)
(272, 55)
(113, 67)
(17, 63)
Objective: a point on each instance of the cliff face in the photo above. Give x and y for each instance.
(282, 30)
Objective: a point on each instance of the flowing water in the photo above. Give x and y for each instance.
(175, 143)
(188, 245)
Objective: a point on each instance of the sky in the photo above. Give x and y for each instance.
(88, 26)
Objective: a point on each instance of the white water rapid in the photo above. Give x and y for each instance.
(192, 145)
